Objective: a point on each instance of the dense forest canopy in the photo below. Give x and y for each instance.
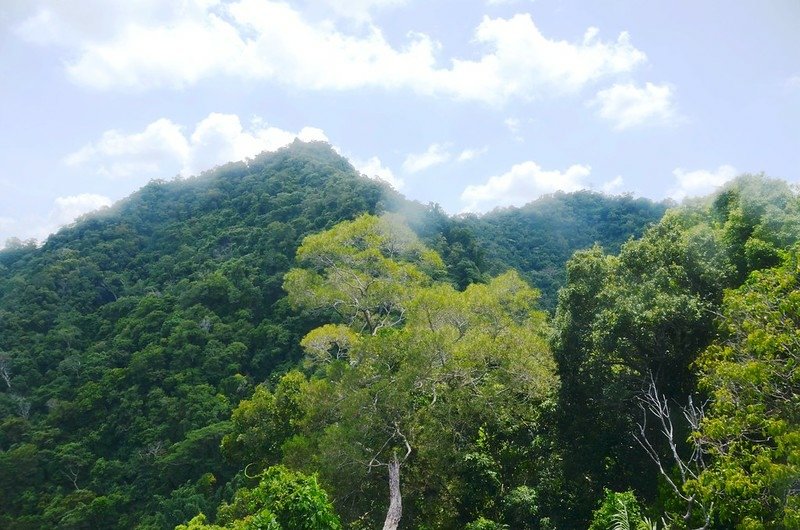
(284, 340)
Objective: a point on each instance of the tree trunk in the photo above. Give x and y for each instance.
(395, 511)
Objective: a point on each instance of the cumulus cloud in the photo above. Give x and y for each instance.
(521, 184)
(63, 211)
(627, 105)
(148, 45)
(221, 138)
(612, 186)
(164, 147)
(435, 155)
(525, 63)
(119, 155)
(699, 181)
(374, 168)
(67, 209)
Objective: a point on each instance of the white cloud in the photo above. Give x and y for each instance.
(120, 155)
(72, 23)
(160, 150)
(629, 106)
(163, 147)
(435, 155)
(526, 64)
(67, 209)
(521, 184)
(793, 83)
(469, 154)
(221, 138)
(117, 43)
(113, 44)
(700, 181)
(612, 186)
(64, 211)
(374, 168)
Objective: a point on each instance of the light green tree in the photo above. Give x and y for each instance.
(413, 368)
(751, 432)
(282, 500)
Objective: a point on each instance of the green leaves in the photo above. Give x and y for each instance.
(652, 309)
(135, 333)
(331, 342)
(282, 500)
(752, 430)
(263, 423)
(617, 511)
(415, 367)
(363, 270)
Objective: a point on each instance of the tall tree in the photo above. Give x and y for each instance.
(751, 432)
(651, 310)
(416, 368)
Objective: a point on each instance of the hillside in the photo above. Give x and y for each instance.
(128, 338)
(538, 238)
(132, 334)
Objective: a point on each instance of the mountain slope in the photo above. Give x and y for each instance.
(130, 336)
(127, 339)
(538, 238)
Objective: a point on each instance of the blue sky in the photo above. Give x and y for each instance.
(472, 104)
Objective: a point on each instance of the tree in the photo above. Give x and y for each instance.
(652, 310)
(263, 423)
(282, 500)
(751, 433)
(649, 310)
(365, 271)
(617, 511)
(415, 367)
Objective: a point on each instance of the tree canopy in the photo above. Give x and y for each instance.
(284, 328)
(412, 371)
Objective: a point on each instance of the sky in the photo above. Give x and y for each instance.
(471, 104)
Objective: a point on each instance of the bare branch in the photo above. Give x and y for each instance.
(652, 402)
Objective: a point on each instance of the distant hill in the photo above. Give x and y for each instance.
(538, 238)
(127, 338)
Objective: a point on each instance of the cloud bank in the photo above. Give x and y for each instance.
(164, 146)
(113, 44)
(521, 184)
(627, 105)
(375, 169)
(700, 181)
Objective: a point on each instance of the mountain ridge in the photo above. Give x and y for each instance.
(130, 336)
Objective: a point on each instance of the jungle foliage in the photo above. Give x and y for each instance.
(284, 340)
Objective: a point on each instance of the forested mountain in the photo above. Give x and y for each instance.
(283, 343)
(540, 237)
(129, 338)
